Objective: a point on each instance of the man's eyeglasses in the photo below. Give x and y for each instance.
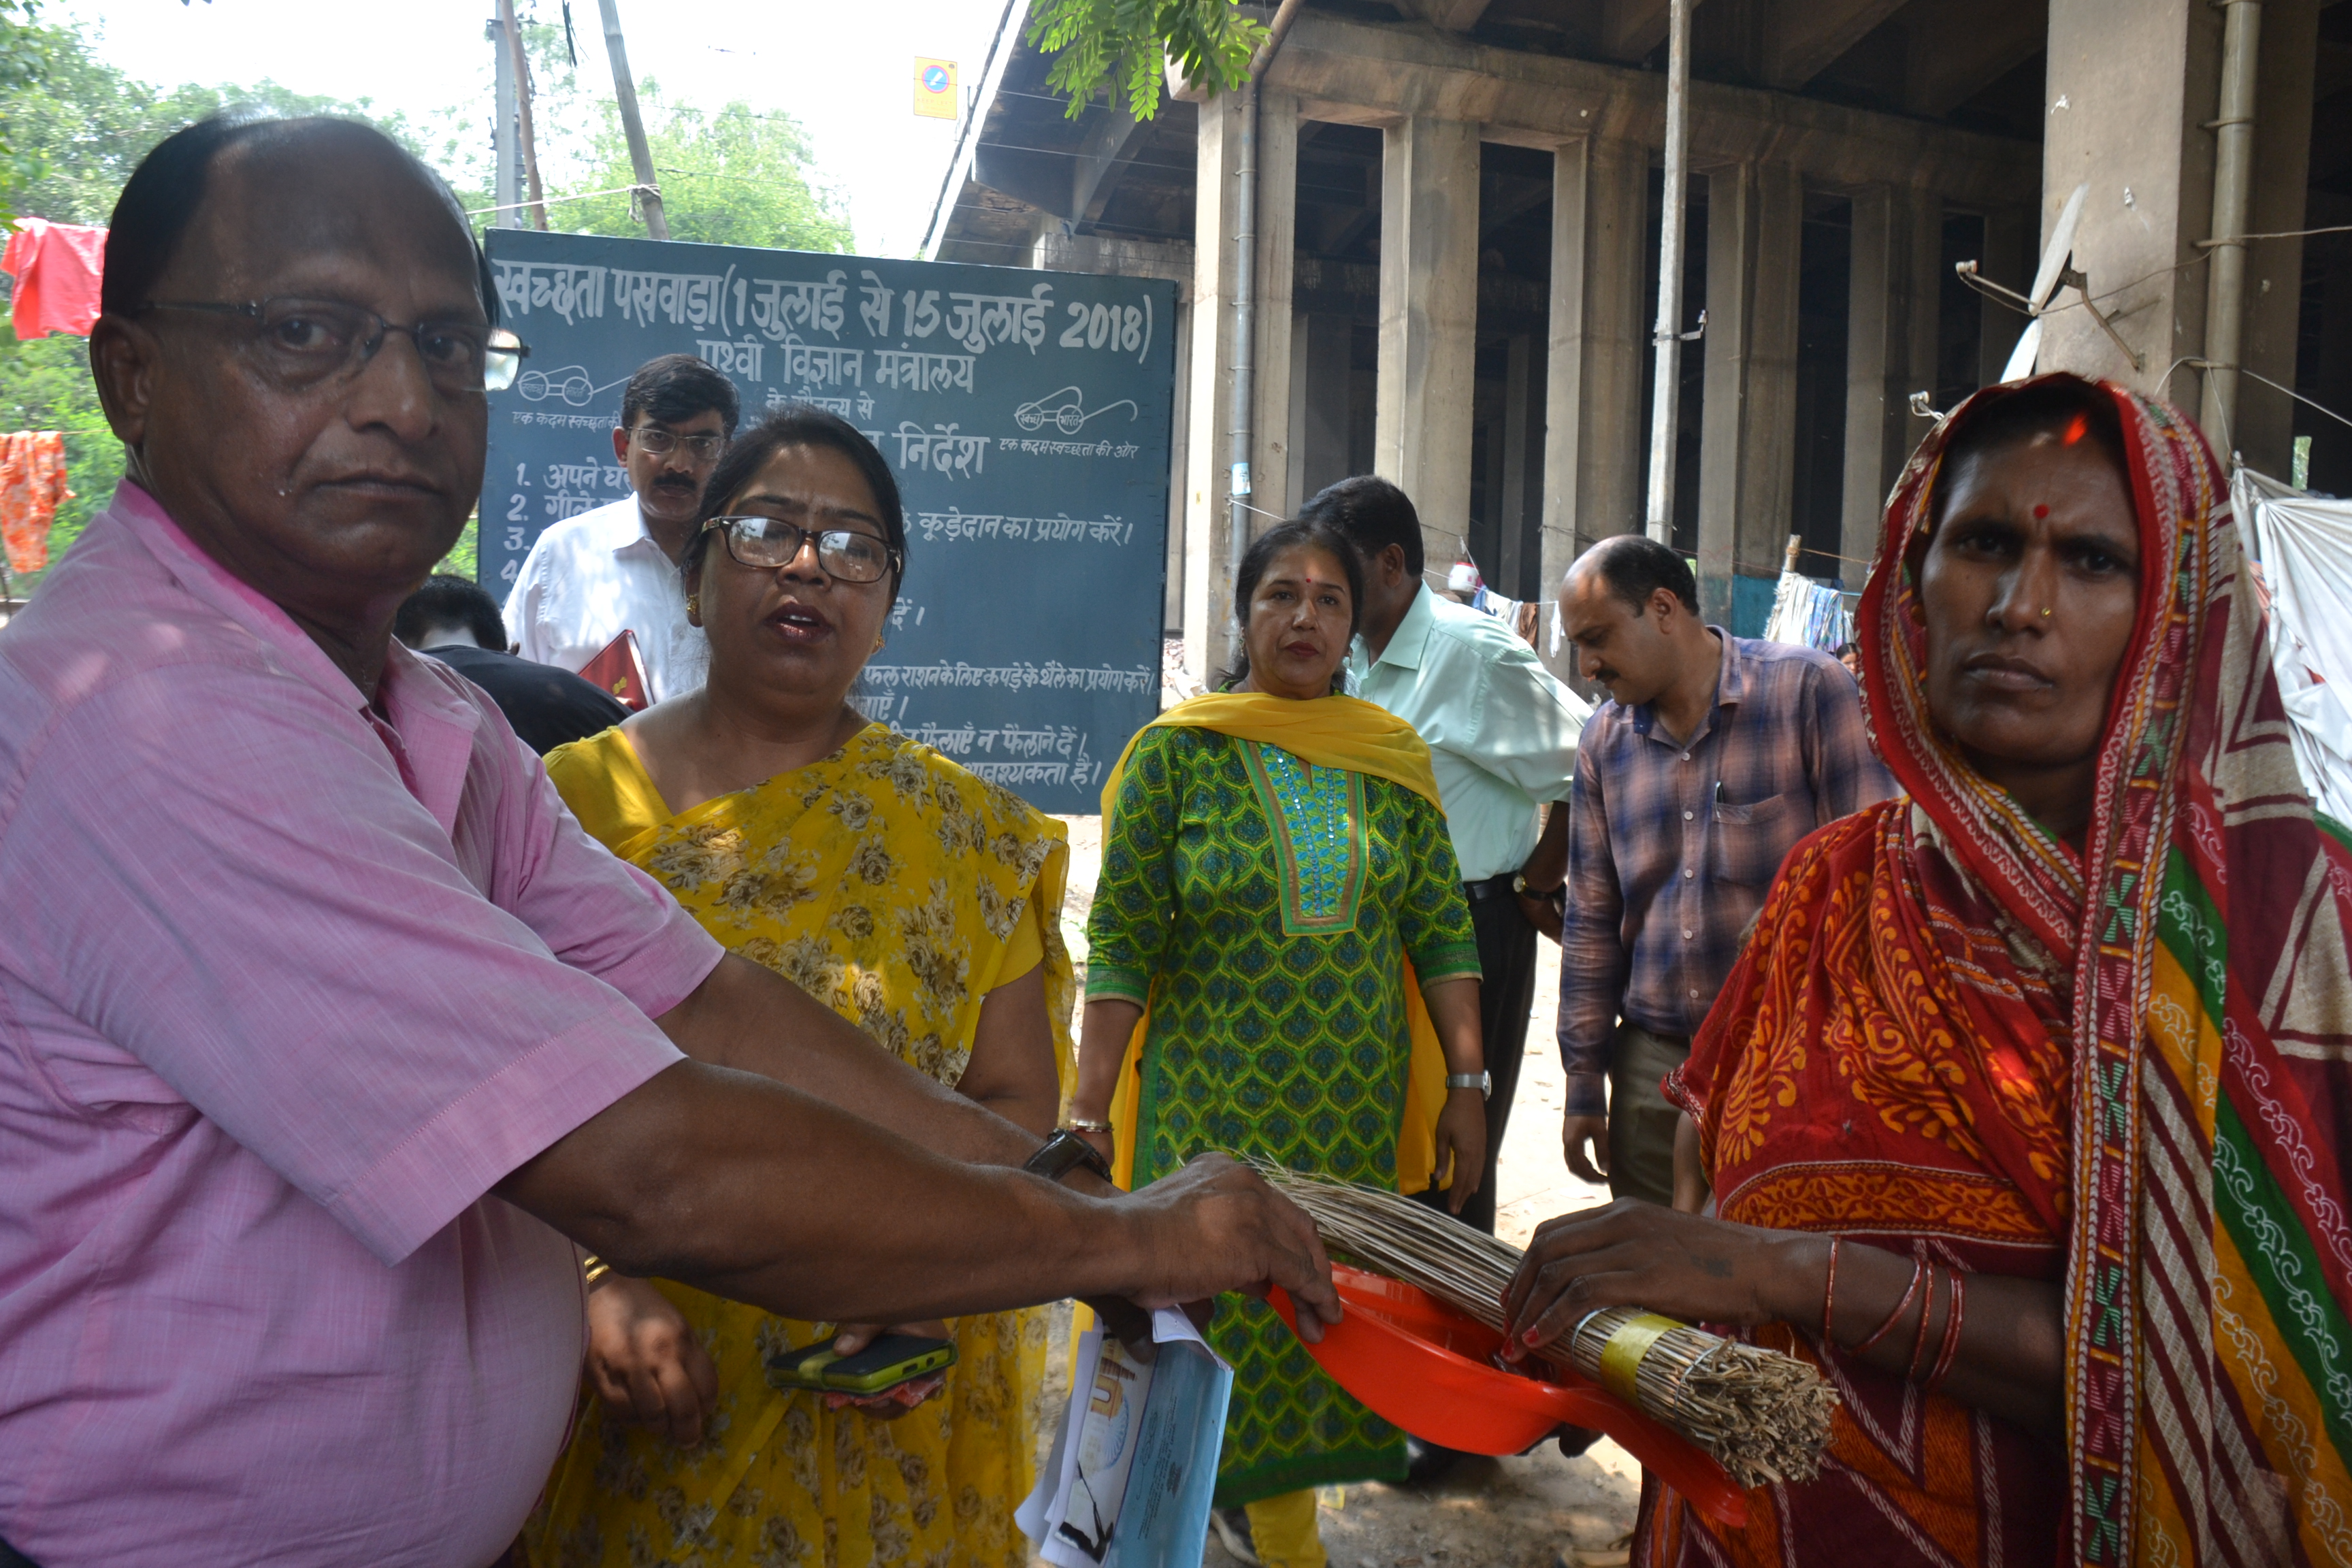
(765, 543)
(661, 443)
(301, 343)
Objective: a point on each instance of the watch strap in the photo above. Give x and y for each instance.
(1063, 1152)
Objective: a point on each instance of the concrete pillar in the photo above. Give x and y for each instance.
(1730, 264)
(1429, 321)
(2283, 94)
(1208, 577)
(1277, 251)
(1593, 405)
(1564, 352)
(2137, 79)
(1890, 353)
(1767, 428)
(1179, 476)
(2135, 128)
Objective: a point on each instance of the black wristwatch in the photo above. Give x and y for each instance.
(1063, 1152)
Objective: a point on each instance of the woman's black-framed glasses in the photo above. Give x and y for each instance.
(765, 543)
(301, 342)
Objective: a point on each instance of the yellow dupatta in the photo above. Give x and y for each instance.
(1325, 732)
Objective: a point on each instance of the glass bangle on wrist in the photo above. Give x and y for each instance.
(1483, 1082)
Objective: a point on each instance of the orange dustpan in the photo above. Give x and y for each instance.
(1420, 1365)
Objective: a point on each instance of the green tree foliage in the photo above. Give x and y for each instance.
(23, 55)
(1124, 45)
(730, 176)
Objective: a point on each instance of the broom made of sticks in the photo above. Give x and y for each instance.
(1762, 1415)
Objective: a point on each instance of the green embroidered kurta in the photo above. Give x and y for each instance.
(1260, 909)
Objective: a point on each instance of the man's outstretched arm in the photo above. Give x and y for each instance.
(754, 1020)
(752, 1190)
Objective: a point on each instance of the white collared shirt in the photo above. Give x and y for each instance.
(591, 575)
(1501, 731)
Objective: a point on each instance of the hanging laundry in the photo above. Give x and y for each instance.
(2301, 544)
(57, 267)
(1809, 614)
(32, 488)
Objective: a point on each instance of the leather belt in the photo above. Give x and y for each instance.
(1498, 885)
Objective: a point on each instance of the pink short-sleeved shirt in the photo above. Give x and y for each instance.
(287, 987)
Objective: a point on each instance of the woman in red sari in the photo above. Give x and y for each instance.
(2026, 1107)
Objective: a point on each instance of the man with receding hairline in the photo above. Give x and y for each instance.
(1713, 757)
(327, 1038)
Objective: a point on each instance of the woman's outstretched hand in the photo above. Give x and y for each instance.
(1462, 1133)
(645, 1362)
(1636, 1254)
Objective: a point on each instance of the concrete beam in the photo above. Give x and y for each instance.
(1429, 321)
(1806, 36)
(1957, 49)
(1104, 156)
(1454, 16)
(1358, 73)
(1631, 30)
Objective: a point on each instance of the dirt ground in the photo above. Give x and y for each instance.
(1529, 1511)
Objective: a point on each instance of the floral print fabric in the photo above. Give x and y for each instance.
(894, 887)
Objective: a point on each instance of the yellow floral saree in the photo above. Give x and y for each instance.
(899, 890)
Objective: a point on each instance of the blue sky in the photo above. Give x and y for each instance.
(844, 70)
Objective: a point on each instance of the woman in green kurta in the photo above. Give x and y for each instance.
(1278, 896)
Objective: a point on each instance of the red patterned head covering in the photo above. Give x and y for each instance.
(2208, 1368)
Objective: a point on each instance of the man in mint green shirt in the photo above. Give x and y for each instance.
(1502, 738)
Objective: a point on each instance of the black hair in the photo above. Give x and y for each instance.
(1373, 514)
(674, 388)
(1299, 532)
(800, 425)
(1636, 567)
(446, 601)
(2065, 406)
(167, 190)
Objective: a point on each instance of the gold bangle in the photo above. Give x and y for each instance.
(1087, 1124)
(593, 1269)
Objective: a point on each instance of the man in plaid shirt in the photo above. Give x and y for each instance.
(1713, 757)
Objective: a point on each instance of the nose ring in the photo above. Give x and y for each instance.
(2045, 612)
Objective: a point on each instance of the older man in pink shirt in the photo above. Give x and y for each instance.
(324, 1032)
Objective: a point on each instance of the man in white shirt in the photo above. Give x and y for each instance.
(589, 577)
(1502, 739)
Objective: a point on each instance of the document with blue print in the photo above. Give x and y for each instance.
(1135, 1460)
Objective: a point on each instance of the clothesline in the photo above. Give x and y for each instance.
(556, 201)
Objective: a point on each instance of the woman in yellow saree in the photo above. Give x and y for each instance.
(918, 900)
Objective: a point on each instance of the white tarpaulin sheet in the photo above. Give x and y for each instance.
(2302, 549)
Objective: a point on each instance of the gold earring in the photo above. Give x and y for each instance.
(878, 645)
(694, 604)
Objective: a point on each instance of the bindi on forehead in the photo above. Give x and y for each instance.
(2041, 510)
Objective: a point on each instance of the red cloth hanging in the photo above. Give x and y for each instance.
(32, 487)
(57, 267)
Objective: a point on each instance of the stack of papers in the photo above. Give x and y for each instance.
(1135, 1462)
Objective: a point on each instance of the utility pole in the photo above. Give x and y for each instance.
(520, 68)
(1666, 402)
(502, 130)
(624, 88)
